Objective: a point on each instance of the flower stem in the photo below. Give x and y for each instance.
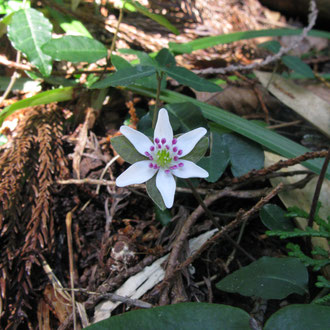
(159, 77)
(215, 223)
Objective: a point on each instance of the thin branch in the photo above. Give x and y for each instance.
(241, 218)
(272, 58)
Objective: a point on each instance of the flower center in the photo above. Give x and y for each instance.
(163, 158)
(164, 154)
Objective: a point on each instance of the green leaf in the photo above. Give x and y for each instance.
(207, 42)
(119, 62)
(126, 150)
(157, 18)
(28, 31)
(164, 58)
(55, 95)
(187, 115)
(298, 317)
(164, 217)
(188, 78)
(251, 130)
(273, 217)
(184, 316)
(268, 278)
(75, 49)
(199, 151)
(69, 24)
(154, 193)
(218, 160)
(245, 155)
(296, 64)
(10, 6)
(124, 77)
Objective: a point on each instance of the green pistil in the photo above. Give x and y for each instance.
(163, 158)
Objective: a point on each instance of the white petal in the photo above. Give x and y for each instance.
(187, 141)
(190, 170)
(140, 142)
(163, 127)
(166, 185)
(137, 173)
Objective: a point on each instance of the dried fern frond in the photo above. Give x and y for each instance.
(28, 171)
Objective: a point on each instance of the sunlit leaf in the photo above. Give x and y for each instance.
(75, 49)
(55, 95)
(28, 31)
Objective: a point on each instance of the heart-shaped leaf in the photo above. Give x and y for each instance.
(187, 115)
(245, 155)
(273, 217)
(268, 278)
(154, 193)
(297, 317)
(218, 160)
(199, 151)
(126, 149)
(184, 316)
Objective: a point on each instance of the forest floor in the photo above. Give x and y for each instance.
(110, 233)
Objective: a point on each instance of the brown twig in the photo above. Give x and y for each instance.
(275, 167)
(215, 222)
(16, 65)
(271, 58)
(241, 218)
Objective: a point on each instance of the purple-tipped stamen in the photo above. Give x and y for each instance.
(159, 146)
(152, 148)
(155, 166)
(181, 164)
(167, 171)
(174, 167)
(151, 165)
(175, 149)
(175, 158)
(163, 140)
(174, 141)
(147, 153)
(151, 158)
(157, 140)
(167, 147)
(180, 152)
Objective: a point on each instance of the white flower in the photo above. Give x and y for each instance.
(164, 157)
